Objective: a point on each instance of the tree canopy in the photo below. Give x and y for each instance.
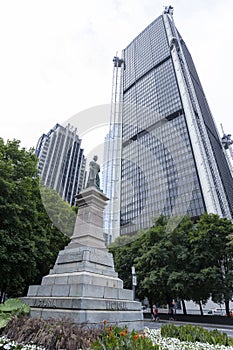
(214, 256)
(61, 214)
(192, 262)
(28, 242)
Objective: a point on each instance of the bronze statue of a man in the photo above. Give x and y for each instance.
(94, 169)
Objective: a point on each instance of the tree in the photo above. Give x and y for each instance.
(138, 251)
(26, 235)
(165, 262)
(180, 280)
(152, 264)
(191, 262)
(125, 251)
(160, 258)
(61, 214)
(214, 256)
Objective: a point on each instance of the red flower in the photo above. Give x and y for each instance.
(123, 334)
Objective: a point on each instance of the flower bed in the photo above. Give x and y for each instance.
(114, 337)
(7, 344)
(176, 344)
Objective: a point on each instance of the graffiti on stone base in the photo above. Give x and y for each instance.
(48, 303)
(115, 305)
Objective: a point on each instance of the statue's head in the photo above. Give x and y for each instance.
(95, 158)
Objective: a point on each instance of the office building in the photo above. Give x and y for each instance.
(172, 159)
(62, 162)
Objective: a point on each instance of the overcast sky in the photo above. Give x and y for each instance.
(56, 56)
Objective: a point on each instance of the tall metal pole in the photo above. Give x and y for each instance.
(134, 281)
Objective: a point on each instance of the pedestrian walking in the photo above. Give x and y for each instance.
(171, 314)
(155, 315)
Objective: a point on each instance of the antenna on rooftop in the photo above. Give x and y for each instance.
(169, 10)
(227, 142)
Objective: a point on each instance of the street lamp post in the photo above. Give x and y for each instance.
(134, 281)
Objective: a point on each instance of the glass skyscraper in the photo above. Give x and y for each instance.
(172, 158)
(61, 161)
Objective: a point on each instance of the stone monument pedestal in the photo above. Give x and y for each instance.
(83, 285)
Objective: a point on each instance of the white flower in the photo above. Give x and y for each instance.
(8, 344)
(153, 334)
(176, 344)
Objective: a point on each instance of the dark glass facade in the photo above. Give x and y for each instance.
(161, 169)
(216, 144)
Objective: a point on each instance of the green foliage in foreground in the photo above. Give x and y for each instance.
(195, 334)
(64, 334)
(11, 308)
(114, 337)
(29, 243)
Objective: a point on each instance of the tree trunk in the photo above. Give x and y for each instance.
(2, 296)
(184, 307)
(227, 307)
(200, 305)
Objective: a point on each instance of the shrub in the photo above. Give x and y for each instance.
(114, 337)
(51, 334)
(195, 334)
(10, 308)
(63, 334)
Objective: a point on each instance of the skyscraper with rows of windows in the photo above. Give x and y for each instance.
(61, 161)
(172, 160)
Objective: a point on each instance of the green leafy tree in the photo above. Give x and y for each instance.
(152, 264)
(214, 256)
(187, 280)
(180, 280)
(26, 234)
(154, 254)
(61, 214)
(125, 250)
(190, 262)
(165, 262)
(142, 252)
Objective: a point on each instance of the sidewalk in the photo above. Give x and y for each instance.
(210, 325)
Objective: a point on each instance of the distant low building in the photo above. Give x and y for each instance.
(62, 162)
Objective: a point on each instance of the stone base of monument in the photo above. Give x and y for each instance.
(83, 285)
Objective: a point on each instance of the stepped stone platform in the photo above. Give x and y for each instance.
(83, 285)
